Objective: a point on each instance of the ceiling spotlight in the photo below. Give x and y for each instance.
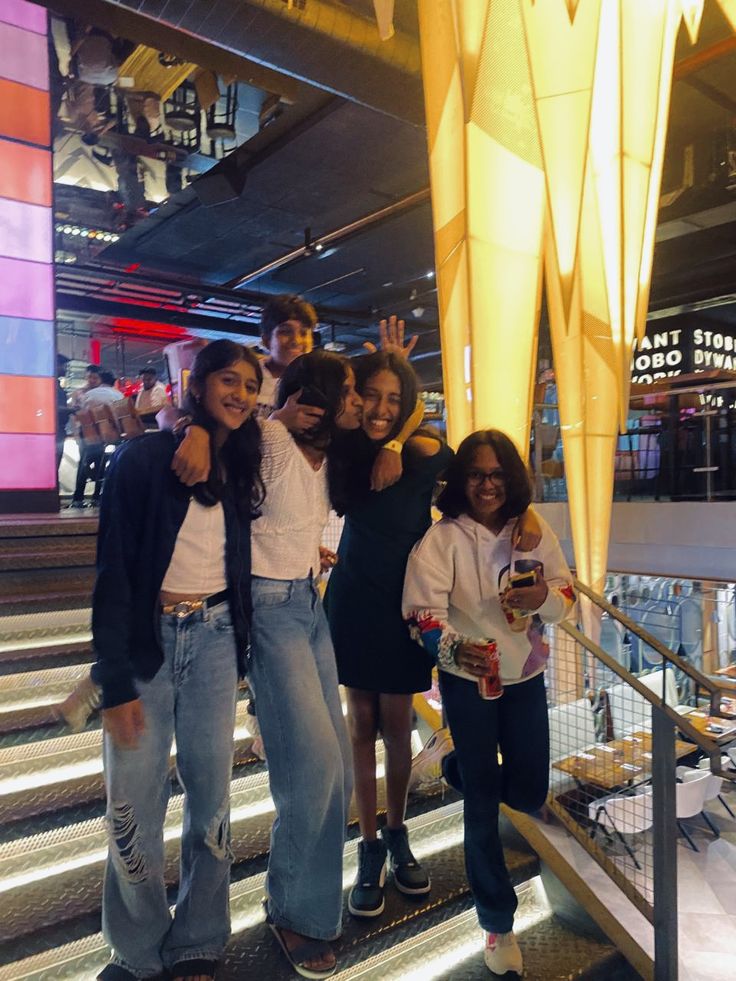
(67, 229)
(430, 274)
(417, 312)
(318, 246)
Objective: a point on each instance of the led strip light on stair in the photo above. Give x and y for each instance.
(435, 952)
(32, 689)
(79, 961)
(34, 765)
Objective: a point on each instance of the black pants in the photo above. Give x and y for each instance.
(91, 467)
(516, 724)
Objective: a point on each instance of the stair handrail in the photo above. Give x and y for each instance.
(714, 688)
(711, 747)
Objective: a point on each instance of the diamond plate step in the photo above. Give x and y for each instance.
(56, 773)
(63, 653)
(30, 699)
(35, 590)
(43, 525)
(47, 552)
(436, 839)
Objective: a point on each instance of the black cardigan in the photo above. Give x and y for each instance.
(143, 508)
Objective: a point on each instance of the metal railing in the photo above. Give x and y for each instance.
(679, 445)
(616, 740)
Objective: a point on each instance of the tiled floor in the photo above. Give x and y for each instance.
(706, 894)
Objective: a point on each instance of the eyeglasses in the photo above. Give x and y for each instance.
(478, 477)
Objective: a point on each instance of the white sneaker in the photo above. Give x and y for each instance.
(79, 706)
(426, 767)
(502, 954)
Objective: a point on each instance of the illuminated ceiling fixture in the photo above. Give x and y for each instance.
(546, 126)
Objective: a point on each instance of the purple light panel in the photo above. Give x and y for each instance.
(25, 231)
(26, 289)
(24, 56)
(29, 462)
(22, 14)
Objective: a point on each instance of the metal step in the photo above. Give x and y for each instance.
(44, 525)
(30, 699)
(52, 774)
(37, 590)
(436, 837)
(49, 552)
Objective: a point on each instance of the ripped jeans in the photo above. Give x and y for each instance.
(192, 699)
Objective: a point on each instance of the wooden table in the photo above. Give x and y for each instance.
(701, 721)
(615, 764)
(728, 672)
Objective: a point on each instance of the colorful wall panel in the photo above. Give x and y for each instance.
(27, 367)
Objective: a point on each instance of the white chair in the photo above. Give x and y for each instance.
(690, 800)
(716, 783)
(622, 816)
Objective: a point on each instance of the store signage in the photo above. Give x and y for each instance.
(682, 349)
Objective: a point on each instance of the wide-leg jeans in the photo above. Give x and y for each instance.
(294, 678)
(517, 725)
(192, 699)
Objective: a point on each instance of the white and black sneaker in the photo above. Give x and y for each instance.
(366, 896)
(409, 876)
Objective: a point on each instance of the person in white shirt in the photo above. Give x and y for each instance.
(287, 323)
(458, 596)
(100, 391)
(292, 667)
(152, 397)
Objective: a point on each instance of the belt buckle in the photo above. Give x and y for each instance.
(184, 609)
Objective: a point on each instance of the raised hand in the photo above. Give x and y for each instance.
(391, 338)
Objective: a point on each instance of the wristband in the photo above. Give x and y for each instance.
(394, 445)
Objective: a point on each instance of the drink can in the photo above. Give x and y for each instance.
(490, 686)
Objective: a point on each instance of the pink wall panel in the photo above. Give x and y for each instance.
(23, 14)
(26, 289)
(29, 462)
(24, 56)
(25, 173)
(25, 231)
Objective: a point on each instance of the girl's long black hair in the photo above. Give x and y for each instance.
(239, 460)
(355, 452)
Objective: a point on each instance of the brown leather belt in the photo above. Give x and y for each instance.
(186, 607)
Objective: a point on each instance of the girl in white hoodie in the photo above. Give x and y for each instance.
(457, 597)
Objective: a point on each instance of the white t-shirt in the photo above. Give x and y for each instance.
(268, 393)
(152, 399)
(102, 395)
(285, 538)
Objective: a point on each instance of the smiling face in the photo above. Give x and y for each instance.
(485, 487)
(230, 397)
(288, 341)
(381, 405)
(351, 415)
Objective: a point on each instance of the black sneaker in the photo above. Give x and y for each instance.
(409, 876)
(366, 896)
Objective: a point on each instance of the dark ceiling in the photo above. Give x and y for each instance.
(349, 142)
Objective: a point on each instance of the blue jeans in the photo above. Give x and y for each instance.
(294, 678)
(191, 698)
(516, 724)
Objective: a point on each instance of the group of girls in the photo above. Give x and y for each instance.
(200, 585)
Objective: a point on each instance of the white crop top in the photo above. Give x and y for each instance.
(197, 566)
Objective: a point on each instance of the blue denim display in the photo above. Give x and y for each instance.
(192, 699)
(517, 725)
(294, 679)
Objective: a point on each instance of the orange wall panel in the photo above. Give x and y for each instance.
(24, 113)
(27, 405)
(25, 173)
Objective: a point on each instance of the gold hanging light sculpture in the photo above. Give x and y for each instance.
(549, 115)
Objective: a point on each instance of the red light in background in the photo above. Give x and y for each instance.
(133, 267)
(95, 351)
(142, 328)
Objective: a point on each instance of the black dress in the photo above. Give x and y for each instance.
(372, 643)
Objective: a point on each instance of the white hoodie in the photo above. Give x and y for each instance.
(454, 579)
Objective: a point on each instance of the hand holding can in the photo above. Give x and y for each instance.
(490, 686)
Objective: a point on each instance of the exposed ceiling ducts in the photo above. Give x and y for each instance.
(321, 42)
